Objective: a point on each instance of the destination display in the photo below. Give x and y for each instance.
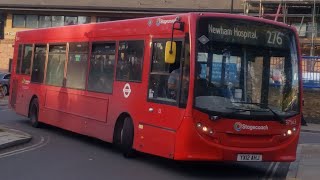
(243, 32)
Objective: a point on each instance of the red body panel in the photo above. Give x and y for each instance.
(167, 131)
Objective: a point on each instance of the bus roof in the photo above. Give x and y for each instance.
(139, 26)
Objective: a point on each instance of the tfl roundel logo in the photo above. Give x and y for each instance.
(237, 126)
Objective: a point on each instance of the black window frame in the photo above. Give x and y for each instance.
(142, 60)
(177, 102)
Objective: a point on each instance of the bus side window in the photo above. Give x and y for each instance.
(39, 61)
(20, 52)
(77, 65)
(102, 67)
(26, 60)
(130, 59)
(56, 63)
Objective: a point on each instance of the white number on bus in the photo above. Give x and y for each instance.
(274, 38)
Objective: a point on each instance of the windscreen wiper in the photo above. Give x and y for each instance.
(276, 115)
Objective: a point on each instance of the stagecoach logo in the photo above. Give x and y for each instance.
(239, 126)
(165, 21)
(126, 90)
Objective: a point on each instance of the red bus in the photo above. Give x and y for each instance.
(194, 86)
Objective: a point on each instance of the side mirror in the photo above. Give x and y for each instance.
(170, 53)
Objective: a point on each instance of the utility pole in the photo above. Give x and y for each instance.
(231, 8)
(260, 9)
(313, 28)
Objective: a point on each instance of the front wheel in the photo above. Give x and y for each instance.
(126, 138)
(34, 112)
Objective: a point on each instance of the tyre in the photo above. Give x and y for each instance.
(126, 138)
(34, 112)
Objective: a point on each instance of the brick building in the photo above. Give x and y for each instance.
(16, 15)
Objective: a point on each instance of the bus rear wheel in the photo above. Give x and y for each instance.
(34, 112)
(126, 138)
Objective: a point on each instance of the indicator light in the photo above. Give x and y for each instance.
(289, 132)
(211, 132)
(199, 125)
(294, 129)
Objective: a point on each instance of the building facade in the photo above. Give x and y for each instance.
(302, 14)
(17, 15)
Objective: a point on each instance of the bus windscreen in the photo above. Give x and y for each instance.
(246, 69)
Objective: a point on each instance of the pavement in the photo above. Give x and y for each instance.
(11, 137)
(307, 165)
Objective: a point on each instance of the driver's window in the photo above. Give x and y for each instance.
(164, 81)
(276, 80)
(254, 79)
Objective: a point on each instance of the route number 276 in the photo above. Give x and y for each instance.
(274, 38)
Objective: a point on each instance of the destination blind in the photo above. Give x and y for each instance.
(244, 32)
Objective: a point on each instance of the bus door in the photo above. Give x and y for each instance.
(162, 113)
(21, 81)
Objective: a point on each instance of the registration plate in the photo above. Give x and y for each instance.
(249, 157)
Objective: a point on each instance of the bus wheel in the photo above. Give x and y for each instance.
(126, 138)
(34, 112)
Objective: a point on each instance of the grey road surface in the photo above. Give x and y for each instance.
(58, 154)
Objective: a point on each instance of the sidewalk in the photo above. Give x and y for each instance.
(315, 128)
(10, 137)
(307, 165)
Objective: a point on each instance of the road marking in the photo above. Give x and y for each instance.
(43, 142)
(269, 169)
(274, 170)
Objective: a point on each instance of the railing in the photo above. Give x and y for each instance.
(311, 71)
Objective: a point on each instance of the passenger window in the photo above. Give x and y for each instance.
(164, 80)
(20, 51)
(77, 65)
(39, 61)
(130, 59)
(102, 67)
(26, 61)
(56, 63)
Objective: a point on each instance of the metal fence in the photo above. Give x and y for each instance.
(311, 71)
